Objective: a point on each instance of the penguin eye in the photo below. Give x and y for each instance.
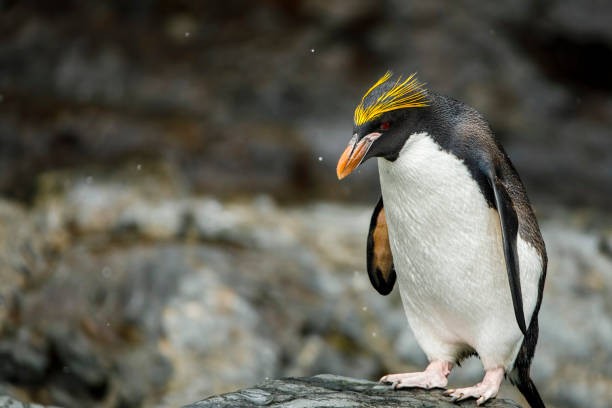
(385, 125)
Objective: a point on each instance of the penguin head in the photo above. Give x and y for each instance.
(382, 121)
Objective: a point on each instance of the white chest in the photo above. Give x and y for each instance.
(438, 219)
(447, 250)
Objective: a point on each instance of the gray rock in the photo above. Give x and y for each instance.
(128, 293)
(214, 338)
(239, 111)
(334, 391)
(8, 402)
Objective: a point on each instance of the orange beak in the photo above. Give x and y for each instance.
(354, 153)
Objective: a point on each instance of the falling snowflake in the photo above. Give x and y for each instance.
(107, 272)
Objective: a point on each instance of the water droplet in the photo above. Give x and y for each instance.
(89, 179)
(320, 158)
(312, 50)
(107, 272)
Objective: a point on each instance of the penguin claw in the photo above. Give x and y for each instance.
(482, 392)
(434, 376)
(426, 380)
(470, 392)
(455, 398)
(463, 397)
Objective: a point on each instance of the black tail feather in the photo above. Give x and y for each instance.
(520, 374)
(530, 392)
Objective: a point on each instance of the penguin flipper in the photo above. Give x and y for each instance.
(379, 258)
(509, 229)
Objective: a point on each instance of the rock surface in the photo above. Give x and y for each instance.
(335, 391)
(8, 402)
(266, 88)
(122, 289)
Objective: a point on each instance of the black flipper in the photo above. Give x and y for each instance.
(509, 229)
(379, 257)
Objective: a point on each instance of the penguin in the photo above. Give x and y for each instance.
(456, 230)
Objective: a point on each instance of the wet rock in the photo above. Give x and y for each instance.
(334, 391)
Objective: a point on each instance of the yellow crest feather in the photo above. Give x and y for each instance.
(407, 93)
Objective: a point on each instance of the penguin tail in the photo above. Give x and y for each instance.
(530, 392)
(520, 374)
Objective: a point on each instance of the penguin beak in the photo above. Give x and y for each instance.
(354, 153)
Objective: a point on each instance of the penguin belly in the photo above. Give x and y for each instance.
(448, 254)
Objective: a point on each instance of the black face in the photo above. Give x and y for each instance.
(394, 127)
(403, 101)
(383, 137)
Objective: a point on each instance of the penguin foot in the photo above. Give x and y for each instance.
(483, 391)
(434, 376)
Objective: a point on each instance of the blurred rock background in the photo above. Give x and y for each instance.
(170, 222)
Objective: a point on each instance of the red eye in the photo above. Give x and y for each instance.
(385, 125)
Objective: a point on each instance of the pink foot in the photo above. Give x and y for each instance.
(434, 376)
(483, 391)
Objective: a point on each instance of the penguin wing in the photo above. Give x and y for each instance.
(509, 230)
(379, 257)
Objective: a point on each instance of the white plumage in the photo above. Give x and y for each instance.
(448, 254)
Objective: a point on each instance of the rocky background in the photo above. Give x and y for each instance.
(170, 222)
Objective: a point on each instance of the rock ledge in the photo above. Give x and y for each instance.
(334, 391)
